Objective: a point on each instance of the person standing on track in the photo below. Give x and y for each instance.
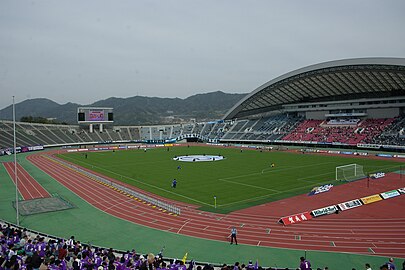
(233, 235)
(390, 264)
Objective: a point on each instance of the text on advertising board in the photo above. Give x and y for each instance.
(320, 189)
(296, 218)
(390, 194)
(324, 211)
(350, 204)
(371, 199)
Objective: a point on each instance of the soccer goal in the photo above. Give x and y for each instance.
(349, 172)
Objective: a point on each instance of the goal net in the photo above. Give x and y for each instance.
(349, 172)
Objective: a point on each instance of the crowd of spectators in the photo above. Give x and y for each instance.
(319, 131)
(21, 249)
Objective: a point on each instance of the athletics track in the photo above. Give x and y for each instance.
(377, 228)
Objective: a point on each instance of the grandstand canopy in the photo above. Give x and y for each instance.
(329, 81)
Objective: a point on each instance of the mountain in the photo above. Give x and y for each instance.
(137, 110)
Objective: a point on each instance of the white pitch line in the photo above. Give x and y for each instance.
(125, 201)
(253, 186)
(185, 223)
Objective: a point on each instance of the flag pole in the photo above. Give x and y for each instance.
(15, 167)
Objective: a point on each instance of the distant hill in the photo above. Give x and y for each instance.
(137, 110)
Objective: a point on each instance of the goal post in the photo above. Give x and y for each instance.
(350, 172)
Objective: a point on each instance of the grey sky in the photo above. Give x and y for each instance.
(83, 51)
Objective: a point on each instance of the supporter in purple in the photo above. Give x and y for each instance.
(236, 266)
(83, 261)
(41, 247)
(121, 264)
(97, 259)
(4, 247)
(127, 256)
(16, 237)
(139, 261)
(182, 266)
(29, 247)
(304, 264)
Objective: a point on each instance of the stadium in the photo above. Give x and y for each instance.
(309, 164)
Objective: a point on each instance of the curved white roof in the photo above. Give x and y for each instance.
(334, 80)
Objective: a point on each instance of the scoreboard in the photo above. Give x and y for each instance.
(93, 115)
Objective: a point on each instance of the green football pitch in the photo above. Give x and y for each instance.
(243, 179)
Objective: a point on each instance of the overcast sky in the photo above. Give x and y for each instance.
(83, 51)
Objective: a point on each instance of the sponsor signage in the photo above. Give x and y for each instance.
(377, 175)
(374, 146)
(349, 205)
(324, 211)
(390, 194)
(320, 189)
(333, 152)
(394, 146)
(401, 190)
(384, 155)
(371, 199)
(288, 220)
(35, 148)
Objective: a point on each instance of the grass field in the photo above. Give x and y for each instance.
(243, 179)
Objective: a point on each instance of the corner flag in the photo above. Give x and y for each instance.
(185, 257)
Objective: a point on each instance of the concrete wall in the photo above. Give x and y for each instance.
(316, 115)
(383, 113)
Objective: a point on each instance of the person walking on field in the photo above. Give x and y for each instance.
(233, 235)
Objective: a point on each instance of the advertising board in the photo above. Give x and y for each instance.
(350, 204)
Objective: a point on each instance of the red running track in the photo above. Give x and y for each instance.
(28, 187)
(377, 228)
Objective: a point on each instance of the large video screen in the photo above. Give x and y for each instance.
(96, 115)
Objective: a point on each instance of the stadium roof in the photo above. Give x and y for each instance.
(329, 81)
